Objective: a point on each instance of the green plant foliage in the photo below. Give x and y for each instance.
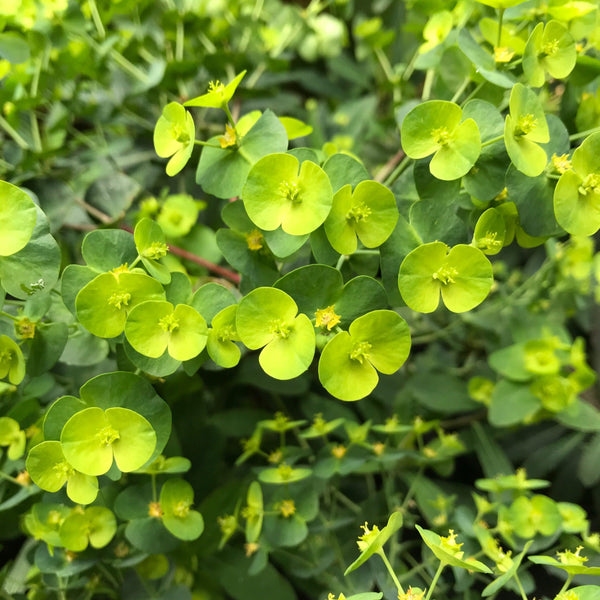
(92, 437)
(176, 497)
(12, 363)
(95, 526)
(377, 341)
(550, 48)
(369, 212)
(17, 218)
(577, 192)
(462, 274)
(103, 304)
(268, 318)
(12, 438)
(436, 127)
(281, 192)
(525, 128)
(222, 335)
(155, 326)
(174, 137)
(151, 246)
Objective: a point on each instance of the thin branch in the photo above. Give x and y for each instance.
(389, 166)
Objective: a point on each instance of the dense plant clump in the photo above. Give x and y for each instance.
(272, 272)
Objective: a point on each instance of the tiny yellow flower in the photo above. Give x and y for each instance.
(287, 508)
(254, 240)
(229, 138)
(503, 54)
(275, 457)
(251, 548)
(368, 535)
(155, 510)
(339, 451)
(378, 448)
(561, 163)
(412, 594)
(326, 317)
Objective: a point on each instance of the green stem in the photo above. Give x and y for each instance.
(566, 585)
(201, 143)
(136, 261)
(492, 141)
(412, 487)
(435, 580)
(397, 171)
(341, 260)
(500, 19)
(205, 41)
(429, 77)
(179, 41)
(461, 89)
(386, 562)
(96, 18)
(4, 475)
(128, 66)
(520, 586)
(154, 494)
(5, 314)
(473, 93)
(14, 134)
(229, 116)
(385, 65)
(581, 134)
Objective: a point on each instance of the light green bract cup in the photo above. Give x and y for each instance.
(222, 335)
(549, 49)
(151, 245)
(277, 194)
(12, 437)
(18, 216)
(103, 304)
(435, 127)
(524, 128)
(49, 470)
(377, 341)
(577, 193)
(218, 94)
(176, 499)
(94, 526)
(12, 363)
(92, 437)
(268, 318)
(155, 326)
(369, 212)
(462, 274)
(174, 136)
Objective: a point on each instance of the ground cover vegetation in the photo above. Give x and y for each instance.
(288, 285)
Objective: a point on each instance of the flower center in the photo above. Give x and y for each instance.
(107, 435)
(287, 508)
(291, 191)
(156, 250)
(326, 317)
(229, 138)
(181, 509)
(525, 124)
(359, 212)
(550, 48)
(360, 351)
(445, 275)
(119, 300)
(280, 329)
(25, 329)
(441, 136)
(254, 240)
(155, 510)
(226, 333)
(591, 183)
(168, 323)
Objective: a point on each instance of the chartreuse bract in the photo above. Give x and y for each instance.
(174, 136)
(279, 191)
(437, 127)
(376, 342)
(12, 363)
(151, 245)
(577, 193)
(550, 48)
(268, 318)
(462, 274)
(525, 127)
(17, 218)
(155, 326)
(369, 212)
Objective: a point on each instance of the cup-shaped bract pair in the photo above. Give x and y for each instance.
(526, 127)
(18, 216)
(436, 127)
(369, 212)
(218, 94)
(549, 48)
(103, 304)
(376, 342)
(176, 499)
(155, 326)
(174, 136)
(463, 275)
(92, 437)
(577, 193)
(490, 232)
(151, 245)
(281, 192)
(50, 470)
(268, 318)
(12, 437)
(94, 526)
(12, 363)
(222, 335)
